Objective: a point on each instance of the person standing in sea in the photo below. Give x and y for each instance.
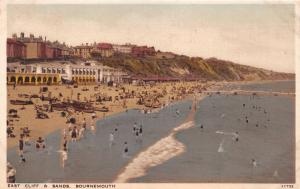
(111, 139)
(125, 150)
(74, 134)
(21, 147)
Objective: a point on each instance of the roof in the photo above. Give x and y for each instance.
(104, 46)
(83, 47)
(10, 40)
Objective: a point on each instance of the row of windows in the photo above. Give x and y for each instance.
(44, 70)
(83, 72)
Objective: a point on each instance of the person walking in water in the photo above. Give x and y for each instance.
(141, 130)
(125, 150)
(134, 127)
(236, 136)
(64, 156)
(74, 134)
(64, 152)
(21, 147)
(177, 113)
(254, 163)
(111, 139)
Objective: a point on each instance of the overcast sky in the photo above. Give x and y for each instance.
(255, 35)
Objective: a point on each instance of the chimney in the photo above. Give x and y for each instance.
(87, 44)
(14, 36)
(22, 35)
(31, 37)
(45, 38)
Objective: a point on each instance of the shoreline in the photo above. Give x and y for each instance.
(164, 149)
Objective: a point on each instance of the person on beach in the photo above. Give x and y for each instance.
(65, 144)
(84, 123)
(40, 143)
(11, 173)
(177, 113)
(81, 132)
(93, 129)
(70, 126)
(93, 116)
(64, 133)
(74, 134)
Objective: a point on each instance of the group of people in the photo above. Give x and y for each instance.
(137, 132)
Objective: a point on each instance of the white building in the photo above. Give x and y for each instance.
(82, 73)
(127, 48)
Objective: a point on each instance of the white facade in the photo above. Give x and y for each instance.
(82, 73)
(122, 48)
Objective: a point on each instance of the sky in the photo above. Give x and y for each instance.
(257, 35)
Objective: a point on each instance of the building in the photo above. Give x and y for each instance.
(103, 49)
(83, 51)
(125, 49)
(56, 73)
(15, 49)
(29, 75)
(35, 47)
(142, 51)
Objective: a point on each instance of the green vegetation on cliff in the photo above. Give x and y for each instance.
(184, 66)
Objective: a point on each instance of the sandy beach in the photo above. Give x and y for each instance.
(42, 127)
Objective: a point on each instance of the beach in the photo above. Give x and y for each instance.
(174, 147)
(42, 127)
(91, 159)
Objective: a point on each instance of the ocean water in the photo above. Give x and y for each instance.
(91, 159)
(276, 86)
(213, 155)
